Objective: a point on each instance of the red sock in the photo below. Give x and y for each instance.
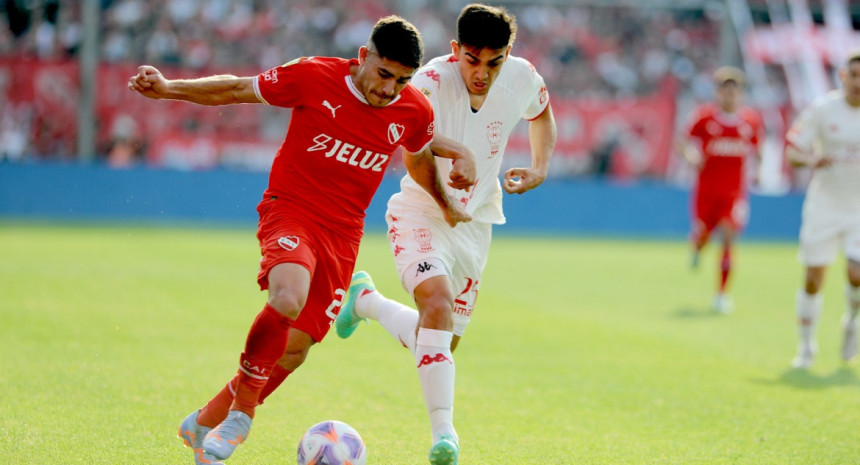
(725, 268)
(278, 375)
(213, 413)
(266, 343)
(216, 410)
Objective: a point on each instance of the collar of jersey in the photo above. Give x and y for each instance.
(351, 86)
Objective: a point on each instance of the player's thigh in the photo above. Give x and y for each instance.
(820, 234)
(335, 262)
(421, 245)
(851, 244)
(289, 284)
(283, 239)
(472, 252)
(738, 213)
(706, 213)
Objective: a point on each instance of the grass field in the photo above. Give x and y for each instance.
(581, 351)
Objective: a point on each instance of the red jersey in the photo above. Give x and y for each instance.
(726, 141)
(337, 145)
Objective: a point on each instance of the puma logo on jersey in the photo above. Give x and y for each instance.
(350, 154)
(331, 108)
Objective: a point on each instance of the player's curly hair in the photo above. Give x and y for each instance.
(484, 26)
(397, 39)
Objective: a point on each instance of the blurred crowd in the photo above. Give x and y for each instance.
(581, 50)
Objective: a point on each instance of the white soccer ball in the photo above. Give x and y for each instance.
(331, 442)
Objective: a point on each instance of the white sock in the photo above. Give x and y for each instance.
(436, 372)
(399, 320)
(367, 304)
(808, 309)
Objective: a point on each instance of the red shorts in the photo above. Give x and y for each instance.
(710, 210)
(287, 236)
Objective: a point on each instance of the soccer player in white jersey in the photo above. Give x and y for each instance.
(826, 137)
(479, 92)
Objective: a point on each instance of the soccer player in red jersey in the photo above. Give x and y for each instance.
(349, 116)
(721, 137)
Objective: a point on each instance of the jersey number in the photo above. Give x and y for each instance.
(335, 304)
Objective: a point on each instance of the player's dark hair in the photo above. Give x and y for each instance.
(483, 26)
(853, 57)
(396, 39)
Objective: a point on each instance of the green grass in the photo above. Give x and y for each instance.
(581, 351)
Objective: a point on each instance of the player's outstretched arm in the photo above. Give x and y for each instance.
(687, 150)
(798, 158)
(542, 136)
(464, 170)
(212, 90)
(422, 168)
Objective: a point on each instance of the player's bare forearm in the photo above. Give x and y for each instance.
(463, 171)
(689, 152)
(799, 159)
(212, 90)
(542, 137)
(422, 168)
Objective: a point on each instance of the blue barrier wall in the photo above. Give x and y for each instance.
(583, 207)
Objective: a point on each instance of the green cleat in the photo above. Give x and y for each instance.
(347, 321)
(444, 451)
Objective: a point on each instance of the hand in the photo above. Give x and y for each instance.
(454, 213)
(822, 162)
(519, 180)
(148, 82)
(463, 173)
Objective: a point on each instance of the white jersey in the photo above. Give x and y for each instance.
(831, 127)
(517, 93)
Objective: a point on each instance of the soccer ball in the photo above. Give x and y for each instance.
(331, 442)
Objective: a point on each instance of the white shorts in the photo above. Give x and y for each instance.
(424, 246)
(823, 231)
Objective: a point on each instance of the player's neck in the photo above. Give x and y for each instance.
(477, 101)
(728, 111)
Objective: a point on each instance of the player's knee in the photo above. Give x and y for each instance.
(287, 303)
(293, 359)
(812, 285)
(854, 274)
(435, 313)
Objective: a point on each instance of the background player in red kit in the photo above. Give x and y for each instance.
(348, 117)
(720, 138)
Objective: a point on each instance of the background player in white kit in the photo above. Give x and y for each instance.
(479, 93)
(826, 137)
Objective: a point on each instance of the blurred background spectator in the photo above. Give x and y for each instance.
(619, 74)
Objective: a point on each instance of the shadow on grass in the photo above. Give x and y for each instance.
(695, 313)
(803, 379)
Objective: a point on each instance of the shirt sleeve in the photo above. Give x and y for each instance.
(421, 137)
(758, 130)
(538, 94)
(803, 131)
(285, 85)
